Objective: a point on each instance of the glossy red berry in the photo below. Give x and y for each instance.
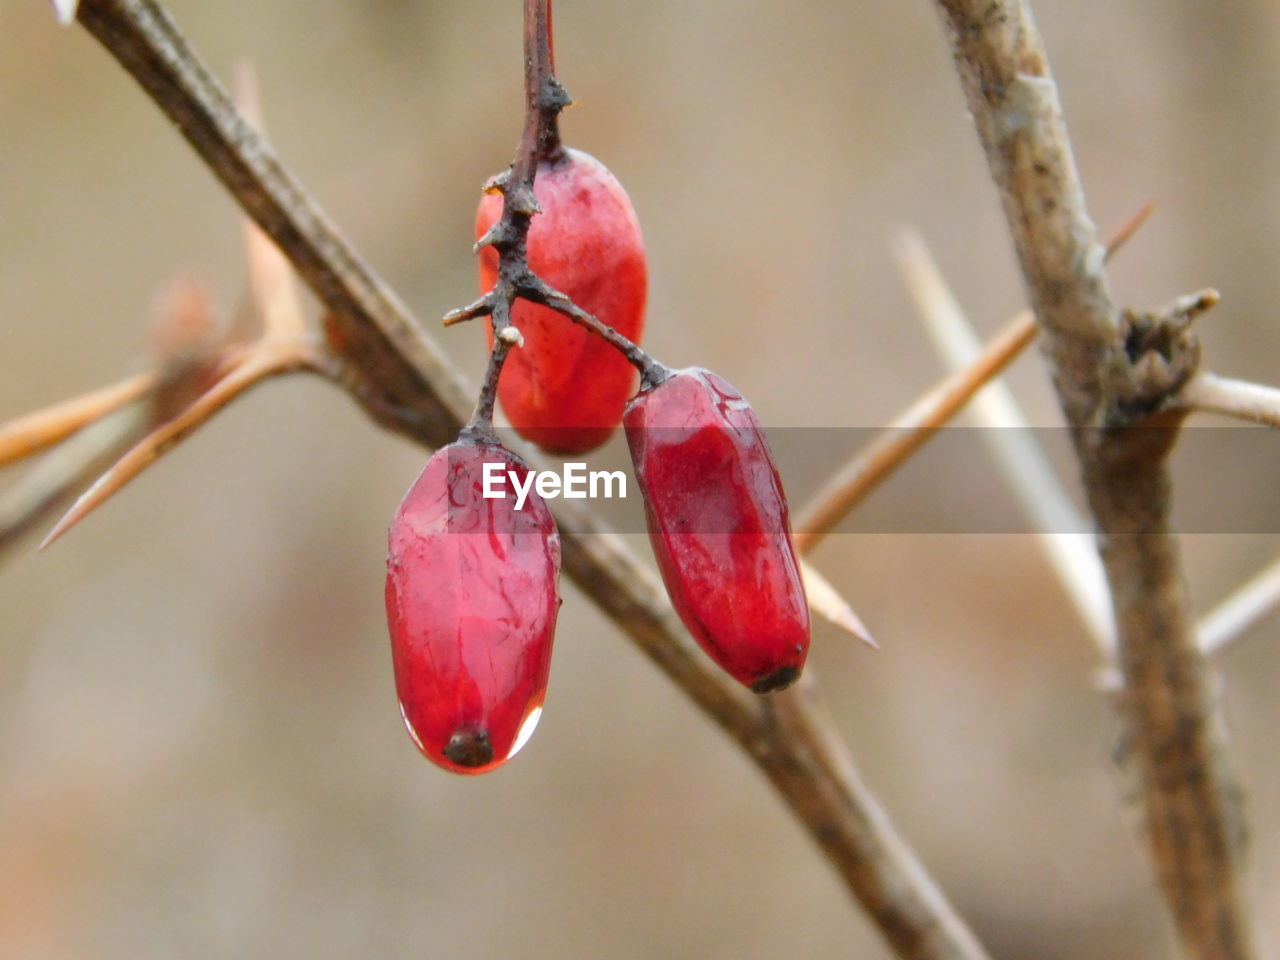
(719, 527)
(565, 389)
(471, 605)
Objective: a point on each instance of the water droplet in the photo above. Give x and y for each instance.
(526, 731)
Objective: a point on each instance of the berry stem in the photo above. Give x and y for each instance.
(539, 143)
(652, 372)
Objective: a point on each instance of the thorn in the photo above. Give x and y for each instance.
(522, 201)
(491, 236)
(271, 279)
(480, 308)
(497, 183)
(1127, 229)
(826, 601)
(183, 332)
(68, 466)
(30, 434)
(256, 367)
(1184, 311)
(244, 84)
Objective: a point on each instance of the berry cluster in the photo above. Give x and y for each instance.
(472, 582)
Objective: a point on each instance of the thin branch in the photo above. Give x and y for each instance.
(908, 432)
(405, 382)
(1105, 383)
(922, 924)
(1209, 393)
(870, 467)
(1023, 463)
(1241, 611)
(544, 98)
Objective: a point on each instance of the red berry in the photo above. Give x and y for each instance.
(471, 605)
(718, 523)
(565, 389)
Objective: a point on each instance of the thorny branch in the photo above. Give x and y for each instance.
(1110, 376)
(404, 381)
(539, 143)
(545, 98)
(916, 425)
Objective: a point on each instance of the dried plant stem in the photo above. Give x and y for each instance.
(1186, 792)
(405, 382)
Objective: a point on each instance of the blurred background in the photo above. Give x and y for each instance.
(200, 751)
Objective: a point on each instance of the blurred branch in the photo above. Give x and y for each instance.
(406, 383)
(1241, 611)
(1107, 381)
(909, 431)
(259, 364)
(915, 426)
(88, 430)
(53, 478)
(1208, 393)
(1059, 526)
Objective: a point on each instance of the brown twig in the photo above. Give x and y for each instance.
(1108, 380)
(405, 382)
(908, 432)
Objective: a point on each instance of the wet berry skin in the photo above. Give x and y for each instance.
(472, 600)
(566, 388)
(719, 527)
